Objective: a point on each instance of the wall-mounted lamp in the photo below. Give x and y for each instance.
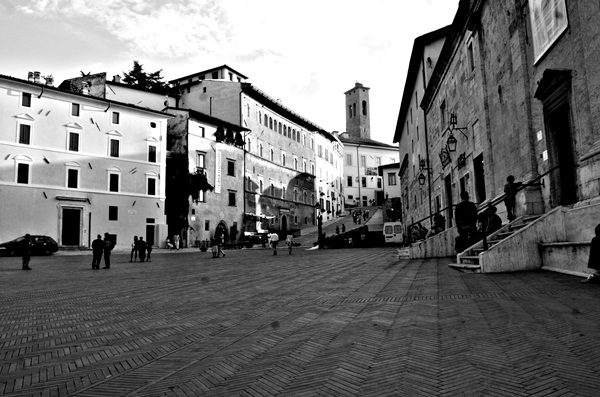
(451, 142)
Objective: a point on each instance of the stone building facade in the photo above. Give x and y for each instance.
(516, 85)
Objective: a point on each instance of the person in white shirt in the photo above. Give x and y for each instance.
(274, 240)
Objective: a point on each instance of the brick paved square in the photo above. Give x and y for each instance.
(331, 322)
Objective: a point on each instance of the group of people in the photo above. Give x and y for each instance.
(141, 248)
(337, 229)
(102, 247)
(173, 243)
(359, 215)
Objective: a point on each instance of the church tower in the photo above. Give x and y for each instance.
(358, 112)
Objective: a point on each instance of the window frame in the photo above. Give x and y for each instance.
(149, 158)
(151, 177)
(68, 170)
(73, 133)
(118, 176)
(24, 162)
(117, 139)
(230, 194)
(30, 137)
(116, 115)
(116, 213)
(23, 96)
(230, 167)
(75, 105)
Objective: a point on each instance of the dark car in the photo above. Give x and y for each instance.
(41, 245)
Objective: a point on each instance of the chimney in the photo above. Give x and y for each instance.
(85, 89)
(36, 77)
(49, 80)
(117, 78)
(30, 77)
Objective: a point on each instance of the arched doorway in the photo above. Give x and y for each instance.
(283, 223)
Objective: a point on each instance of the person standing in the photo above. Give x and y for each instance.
(337, 230)
(220, 241)
(274, 241)
(466, 222)
(142, 249)
(97, 250)
(134, 249)
(108, 246)
(510, 197)
(148, 252)
(290, 242)
(343, 228)
(26, 251)
(176, 241)
(594, 259)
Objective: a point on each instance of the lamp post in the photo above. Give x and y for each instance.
(319, 224)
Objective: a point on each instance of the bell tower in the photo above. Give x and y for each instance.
(358, 112)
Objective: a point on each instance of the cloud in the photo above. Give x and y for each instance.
(176, 29)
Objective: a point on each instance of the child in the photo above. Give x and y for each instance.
(510, 198)
(290, 242)
(594, 261)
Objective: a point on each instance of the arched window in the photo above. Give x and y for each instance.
(364, 108)
(350, 111)
(272, 190)
(270, 123)
(283, 159)
(283, 193)
(284, 130)
(280, 128)
(271, 154)
(260, 187)
(260, 150)
(266, 121)
(294, 135)
(248, 145)
(295, 164)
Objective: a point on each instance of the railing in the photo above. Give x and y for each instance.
(484, 205)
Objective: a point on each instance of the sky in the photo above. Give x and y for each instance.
(305, 53)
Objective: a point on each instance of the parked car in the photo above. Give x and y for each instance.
(249, 239)
(42, 245)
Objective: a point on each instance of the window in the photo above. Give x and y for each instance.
(249, 146)
(271, 154)
(115, 117)
(350, 197)
(378, 183)
(73, 141)
(364, 181)
(364, 108)
(151, 186)
(470, 56)
(354, 110)
(114, 147)
(113, 182)
(283, 193)
(350, 111)
(26, 100)
(295, 163)
(391, 178)
(230, 76)
(280, 129)
(349, 181)
(23, 173)
(304, 169)
(260, 187)
(75, 109)
(231, 167)
(206, 225)
(200, 158)
(215, 75)
(152, 153)
(295, 195)
(72, 178)
(312, 169)
(377, 161)
(25, 134)
(272, 190)
(283, 159)
(348, 159)
(270, 123)
(266, 122)
(443, 113)
(113, 213)
(363, 161)
(201, 198)
(260, 150)
(231, 199)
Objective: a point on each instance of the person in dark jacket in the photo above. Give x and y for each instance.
(142, 249)
(594, 259)
(494, 222)
(466, 222)
(26, 251)
(510, 197)
(97, 250)
(108, 246)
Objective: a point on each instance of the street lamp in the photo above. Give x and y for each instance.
(451, 143)
(319, 224)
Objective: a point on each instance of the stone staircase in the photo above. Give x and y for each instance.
(469, 260)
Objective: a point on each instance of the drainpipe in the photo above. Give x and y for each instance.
(358, 168)
(429, 173)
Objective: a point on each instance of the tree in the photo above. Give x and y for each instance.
(139, 78)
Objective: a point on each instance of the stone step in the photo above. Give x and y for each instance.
(465, 268)
(471, 258)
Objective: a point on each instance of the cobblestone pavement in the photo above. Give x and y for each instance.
(329, 323)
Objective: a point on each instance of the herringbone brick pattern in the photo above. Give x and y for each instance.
(316, 323)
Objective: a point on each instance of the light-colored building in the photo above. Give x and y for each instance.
(280, 161)
(411, 132)
(329, 178)
(78, 165)
(362, 155)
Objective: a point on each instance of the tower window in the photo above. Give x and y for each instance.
(364, 108)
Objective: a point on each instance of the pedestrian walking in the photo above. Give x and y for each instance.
(142, 249)
(134, 249)
(26, 251)
(274, 240)
(594, 259)
(97, 250)
(343, 228)
(510, 197)
(337, 230)
(290, 242)
(220, 241)
(214, 248)
(176, 241)
(108, 247)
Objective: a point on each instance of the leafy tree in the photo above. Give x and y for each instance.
(139, 78)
